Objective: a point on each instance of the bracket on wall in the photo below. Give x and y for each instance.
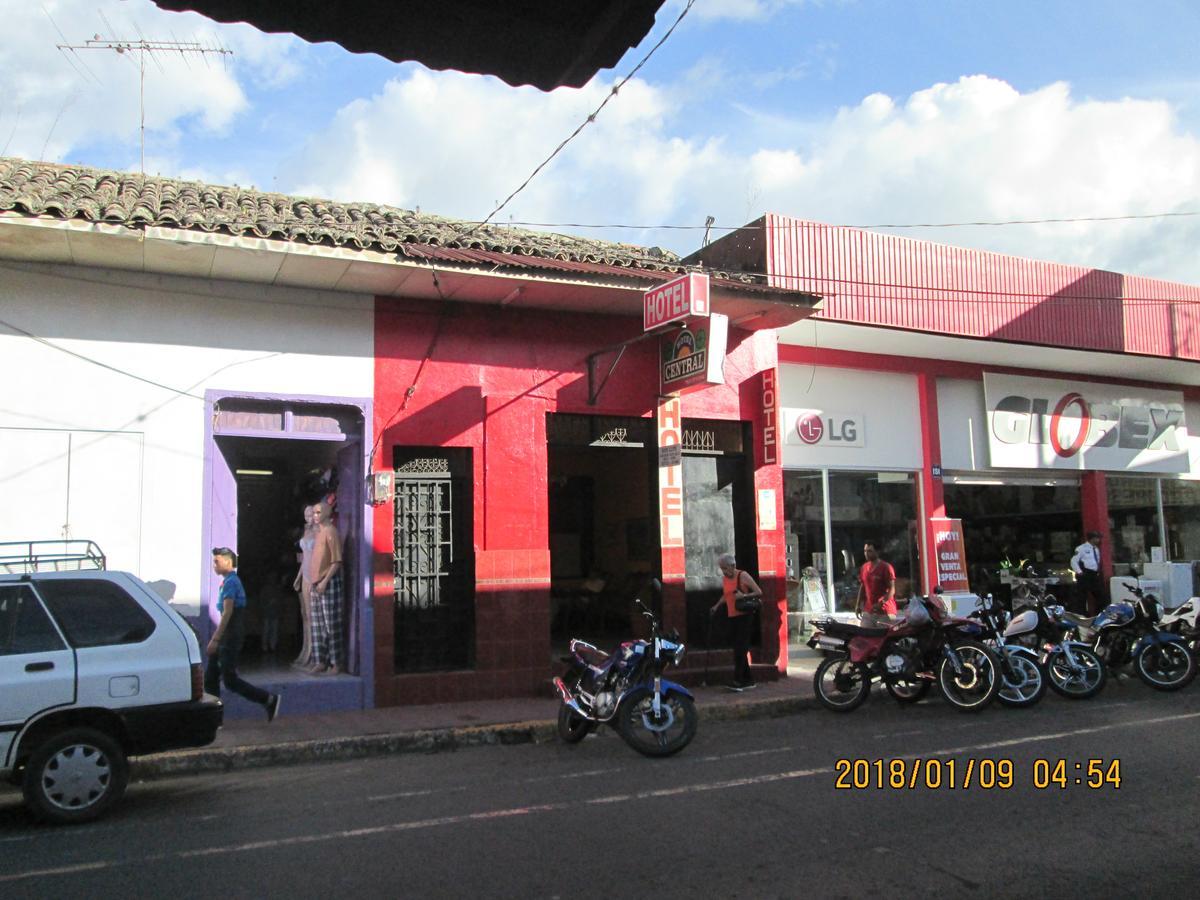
(593, 360)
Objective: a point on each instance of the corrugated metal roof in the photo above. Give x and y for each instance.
(881, 279)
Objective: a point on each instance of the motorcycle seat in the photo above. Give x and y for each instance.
(848, 630)
(1085, 621)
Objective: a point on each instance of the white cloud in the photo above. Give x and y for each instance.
(976, 149)
(52, 101)
(748, 10)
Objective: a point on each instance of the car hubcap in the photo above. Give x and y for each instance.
(76, 777)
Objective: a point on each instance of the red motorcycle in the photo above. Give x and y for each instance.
(924, 646)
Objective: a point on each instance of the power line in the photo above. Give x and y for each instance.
(95, 362)
(976, 296)
(582, 125)
(805, 224)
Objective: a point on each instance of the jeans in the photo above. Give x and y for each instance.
(222, 667)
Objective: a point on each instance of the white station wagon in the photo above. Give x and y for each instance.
(94, 668)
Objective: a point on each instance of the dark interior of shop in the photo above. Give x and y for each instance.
(1012, 526)
(276, 479)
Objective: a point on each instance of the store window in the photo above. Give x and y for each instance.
(878, 507)
(1181, 512)
(804, 533)
(829, 516)
(1014, 524)
(1133, 514)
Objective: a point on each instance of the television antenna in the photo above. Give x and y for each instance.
(142, 48)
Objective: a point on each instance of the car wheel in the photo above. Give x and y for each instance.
(75, 776)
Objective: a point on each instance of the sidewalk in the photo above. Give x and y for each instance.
(292, 740)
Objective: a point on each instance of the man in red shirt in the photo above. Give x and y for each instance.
(876, 588)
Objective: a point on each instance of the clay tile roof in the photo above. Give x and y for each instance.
(79, 192)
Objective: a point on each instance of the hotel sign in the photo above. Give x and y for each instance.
(681, 298)
(695, 354)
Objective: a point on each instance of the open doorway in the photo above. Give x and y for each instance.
(603, 543)
(718, 518)
(275, 479)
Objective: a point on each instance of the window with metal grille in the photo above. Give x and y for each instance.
(433, 560)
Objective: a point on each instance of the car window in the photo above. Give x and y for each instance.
(24, 625)
(95, 613)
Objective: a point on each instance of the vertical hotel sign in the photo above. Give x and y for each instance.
(769, 434)
(670, 472)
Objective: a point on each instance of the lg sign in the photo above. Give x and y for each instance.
(1043, 423)
(814, 427)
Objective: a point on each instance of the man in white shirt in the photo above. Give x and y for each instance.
(1089, 580)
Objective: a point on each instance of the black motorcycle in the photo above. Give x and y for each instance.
(625, 689)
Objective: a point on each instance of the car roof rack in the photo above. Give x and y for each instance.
(27, 557)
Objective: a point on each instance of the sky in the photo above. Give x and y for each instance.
(854, 112)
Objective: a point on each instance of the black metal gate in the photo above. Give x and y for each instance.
(432, 566)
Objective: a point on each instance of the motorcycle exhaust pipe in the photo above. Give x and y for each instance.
(568, 698)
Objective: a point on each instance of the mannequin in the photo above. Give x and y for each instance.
(303, 588)
(325, 575)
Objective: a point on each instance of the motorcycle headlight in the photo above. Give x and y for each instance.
(677, 656)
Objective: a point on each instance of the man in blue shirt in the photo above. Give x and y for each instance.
(226, 641)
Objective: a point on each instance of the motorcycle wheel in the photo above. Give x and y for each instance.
(636, 726)
(841, 685)
(979, 681)
(1076, 685)
(1023, 683)
(572, 727)
(1166, 667)
(908, 691)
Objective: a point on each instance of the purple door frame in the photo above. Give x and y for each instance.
(216, 498)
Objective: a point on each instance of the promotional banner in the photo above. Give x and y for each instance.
(951, 555)
(1047, 423)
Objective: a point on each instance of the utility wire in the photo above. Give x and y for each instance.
(879, 291)
(96, 362)
(779, 226)
(582, 125)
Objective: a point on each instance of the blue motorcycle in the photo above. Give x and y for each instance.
(625, 689)
(1127, 633)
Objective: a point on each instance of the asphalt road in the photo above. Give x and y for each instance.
(751, 809)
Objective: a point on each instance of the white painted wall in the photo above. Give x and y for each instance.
(137, 450)
(887, 403)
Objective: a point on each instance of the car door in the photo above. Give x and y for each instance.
(37, 668)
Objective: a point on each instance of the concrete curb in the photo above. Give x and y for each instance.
(334, 749)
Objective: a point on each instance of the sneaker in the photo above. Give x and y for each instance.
(273, 707)
(735, 687)
(749, 685)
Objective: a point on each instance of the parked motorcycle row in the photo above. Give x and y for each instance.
(991, 655)
(1012, 658)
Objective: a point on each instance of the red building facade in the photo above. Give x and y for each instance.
(480, 397)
